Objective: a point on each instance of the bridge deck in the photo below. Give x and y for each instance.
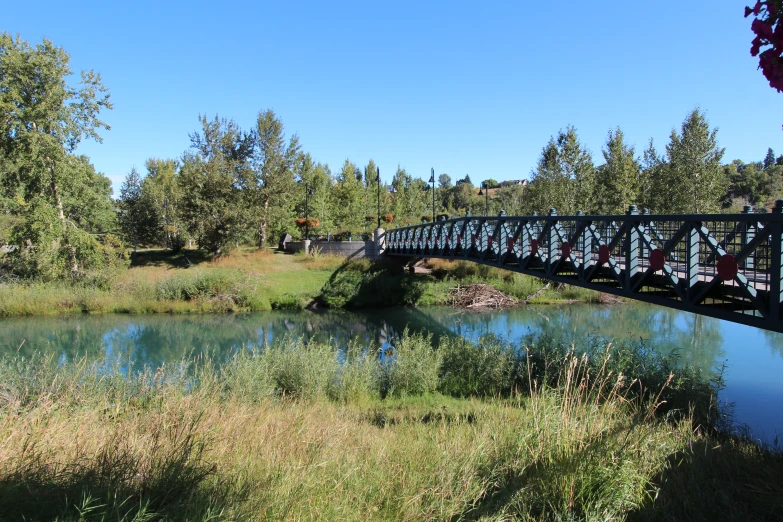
(721, 265)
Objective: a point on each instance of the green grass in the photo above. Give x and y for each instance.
(248, 280)
(306, 432)
(185, 282)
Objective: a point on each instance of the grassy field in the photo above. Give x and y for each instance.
(250, 280)
(303, 432)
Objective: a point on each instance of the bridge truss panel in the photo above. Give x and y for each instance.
(721, 265)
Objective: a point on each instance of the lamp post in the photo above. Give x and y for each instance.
(485, 193)
(308, 193)
(432, 180)
(378, 181)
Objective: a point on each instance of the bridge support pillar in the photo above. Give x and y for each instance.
(748, 235)
(379, 237)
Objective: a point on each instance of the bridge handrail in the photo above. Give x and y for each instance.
(725, 265)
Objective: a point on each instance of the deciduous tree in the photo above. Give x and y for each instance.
(618, 179)
(696, 179)
(268, 187)
(210, 180)
(42, 120)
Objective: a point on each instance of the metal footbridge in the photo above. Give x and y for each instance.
(720, 265)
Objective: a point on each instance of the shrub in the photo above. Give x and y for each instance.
(302, 370)
(220, 284)
(485, 369)
(359, 378)
(413, 368)
(286, 302)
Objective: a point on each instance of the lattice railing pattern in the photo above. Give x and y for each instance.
(722, 265)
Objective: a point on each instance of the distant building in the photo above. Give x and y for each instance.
(509, 183)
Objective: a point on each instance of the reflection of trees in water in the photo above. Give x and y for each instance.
(64, 336)
(156, 339)
(153, 340)
(696, 339)
(774, 341)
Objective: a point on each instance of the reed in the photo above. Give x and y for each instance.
(299, 431)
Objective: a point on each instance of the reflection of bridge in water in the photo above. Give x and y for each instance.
(721, 265)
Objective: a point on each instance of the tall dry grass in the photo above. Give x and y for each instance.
(300, 432)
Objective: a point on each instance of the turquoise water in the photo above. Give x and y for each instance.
(753, 358)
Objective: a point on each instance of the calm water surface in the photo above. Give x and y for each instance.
(753, 358)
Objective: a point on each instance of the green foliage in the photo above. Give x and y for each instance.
(286, 302)
(268, 185)
(209, 181)
(511, 198)
(414, 367)
(486, 369)
(137, 218)
(204, 285)
(693, 181)
(359, 377)
(564, 178)
(444, 181)
(62, 197)
(49, 254)
(161, 194)
(363, 283)
(302, 371)
(618, 180)
(349, 192)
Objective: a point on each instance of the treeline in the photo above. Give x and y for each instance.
(688, 177)
(250, 186)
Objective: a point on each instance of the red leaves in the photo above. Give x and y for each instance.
(768, 28)
(756, 9)
(763, 28)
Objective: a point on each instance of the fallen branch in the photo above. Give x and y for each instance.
(538, 292)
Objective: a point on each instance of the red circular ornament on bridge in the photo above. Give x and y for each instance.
(727, 267)
(534, 246)
(566, 249)
(603, 254)
(657, 260)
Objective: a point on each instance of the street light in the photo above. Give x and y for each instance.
(378, 181)
(308, 193)
(432, 180)
(485, 193)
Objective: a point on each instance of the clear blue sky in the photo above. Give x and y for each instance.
(465, 87)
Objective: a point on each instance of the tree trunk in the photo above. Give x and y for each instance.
(262, 226)
(60, 214)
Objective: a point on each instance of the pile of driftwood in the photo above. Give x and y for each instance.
(479, 295)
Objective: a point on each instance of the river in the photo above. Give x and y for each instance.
(752, 359)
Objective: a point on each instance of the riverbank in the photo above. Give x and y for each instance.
(257, 280)
(304, 432)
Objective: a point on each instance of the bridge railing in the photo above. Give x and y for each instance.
(722, 265)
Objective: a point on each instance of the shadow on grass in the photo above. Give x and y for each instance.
(712, 480)
(708, 481)
(113, 484)
(163, 257)
(364, 283)
(538, 492)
